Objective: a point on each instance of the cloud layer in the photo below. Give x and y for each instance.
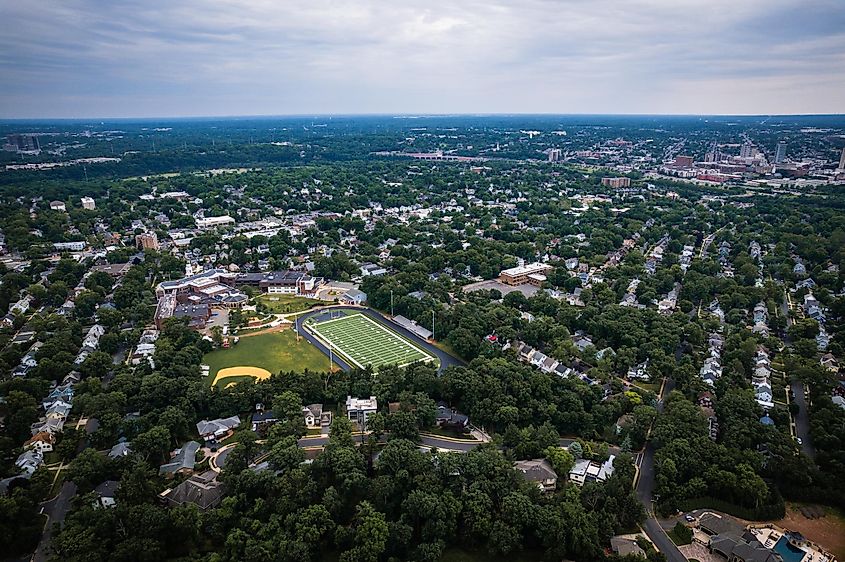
(98, 58)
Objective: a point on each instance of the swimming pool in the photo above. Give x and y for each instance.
(788, 552)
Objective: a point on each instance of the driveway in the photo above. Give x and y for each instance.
(445, 359)
(56, 509)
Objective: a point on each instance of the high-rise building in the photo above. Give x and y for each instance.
(842, 159)
(146, 241)
(616, 182)
(22, 143)
(554, 154)
(682, 161)
(780, 153)
(746, 151)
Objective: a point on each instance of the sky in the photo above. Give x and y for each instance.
(171, 58)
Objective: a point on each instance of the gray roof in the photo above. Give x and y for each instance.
(202, 490)
(107, 489)
(536, 470)
(185, 458)
(120, 450)
(717, 525)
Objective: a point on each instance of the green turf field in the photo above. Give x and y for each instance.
(363, 341)
(277, 351)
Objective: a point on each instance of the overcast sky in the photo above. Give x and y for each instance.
(127, 58)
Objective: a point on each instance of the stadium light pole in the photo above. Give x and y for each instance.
(391, 302)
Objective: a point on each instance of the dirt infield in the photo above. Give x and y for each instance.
(254, 372)
(827, 530)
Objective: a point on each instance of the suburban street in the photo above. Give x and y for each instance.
(645, 490)
(802, 418)
(56, 509)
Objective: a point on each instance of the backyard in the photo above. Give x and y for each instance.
(277, 351)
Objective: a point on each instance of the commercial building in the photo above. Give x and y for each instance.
(146, 241)
(88, 203)
(683, 161)
(532, 273)
(281, 282)
(22, 143)
(842, 160)
(214, 222)
(69, 246)
(780, 153)
(616, 182)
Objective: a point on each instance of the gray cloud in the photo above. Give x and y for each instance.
(88, 58)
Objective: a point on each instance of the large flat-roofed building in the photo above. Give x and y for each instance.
(532, 273)
(22, 143)
(616, 182)
(282, 282)
(193, 282)
(146, 241)
(214, 222)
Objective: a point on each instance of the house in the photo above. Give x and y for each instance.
(581, 342)
(62, 392)
(50, 425)
(623, 546)
(29, 461)
(354, 296)
(539, 472)
(737, 548)
(829, 362)
(639, 372)
(262, 418)
(202, 490)
(182, 460)
(58, 410)
(591, 471)
(42, 442)
(212, 429)
(360, 409)
(120, 450)
(106, 493)
(450, 418)
(315, 417)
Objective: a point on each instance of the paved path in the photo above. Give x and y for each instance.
(56, 509)
(446, 360)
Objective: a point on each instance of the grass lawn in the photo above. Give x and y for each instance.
(276, 351)
(281, 304)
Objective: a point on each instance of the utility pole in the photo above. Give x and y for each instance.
(432, 323)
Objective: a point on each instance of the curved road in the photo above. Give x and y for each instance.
(645, 489)
(445, 359)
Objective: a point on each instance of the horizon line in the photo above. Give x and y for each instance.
(410, 115)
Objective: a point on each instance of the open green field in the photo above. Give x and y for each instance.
(277, 351)
(363, 341)
(283, 304)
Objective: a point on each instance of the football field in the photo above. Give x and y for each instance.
(363, 341)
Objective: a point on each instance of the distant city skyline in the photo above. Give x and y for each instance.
(187, 58)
